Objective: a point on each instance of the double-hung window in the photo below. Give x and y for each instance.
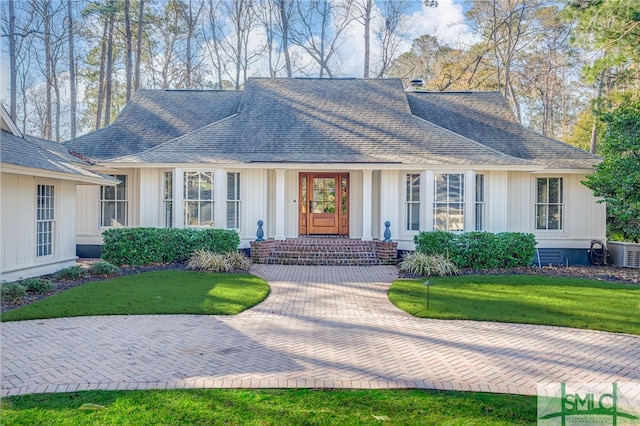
(448, 202)
(45, 216)
(198, 199)
(233, 200)
(412, 202)
(114, 204)
(479, 202)
(167, 199)
(549, 203)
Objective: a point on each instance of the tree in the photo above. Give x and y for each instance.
(617, 178)
(318, 29)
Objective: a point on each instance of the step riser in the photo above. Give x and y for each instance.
(316, 251)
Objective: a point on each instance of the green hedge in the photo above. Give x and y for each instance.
(480, 250)
(142, 246)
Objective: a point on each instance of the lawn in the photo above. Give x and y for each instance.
(270, 407)
(159, 292)
(529, 299)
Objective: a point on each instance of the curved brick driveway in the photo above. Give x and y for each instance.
(320, 327)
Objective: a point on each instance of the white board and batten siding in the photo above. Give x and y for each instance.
(584, 218)
(18, 225)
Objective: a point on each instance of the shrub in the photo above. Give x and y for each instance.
(204, 260)
(72, 273)
(103, 269)
(143, 246)
(427, 265)
(480, 250)
(237, 261)
(37, 285)
(12, 292)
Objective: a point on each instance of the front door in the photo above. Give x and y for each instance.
(324, 204)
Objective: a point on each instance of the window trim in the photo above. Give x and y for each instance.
(561, 204)
(408, 203)
(51, 232)
(237, 201)
(125, 201)
(461, 203)
(480, 204)
(167, 199)
(199, 200)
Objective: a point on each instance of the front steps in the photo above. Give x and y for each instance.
(326, 250)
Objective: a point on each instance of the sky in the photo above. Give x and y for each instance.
(446, 22)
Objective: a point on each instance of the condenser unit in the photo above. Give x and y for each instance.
(624, 254)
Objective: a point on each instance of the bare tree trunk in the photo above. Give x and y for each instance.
(139, 44)
(284, 23)
(73, 96)
(129, 48)
(101, 77)
(109, 72)
(367, 36)
(13, 68)
(46, 130)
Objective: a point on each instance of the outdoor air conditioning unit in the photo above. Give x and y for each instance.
(624, 254)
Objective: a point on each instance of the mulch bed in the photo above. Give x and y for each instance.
(600, 273)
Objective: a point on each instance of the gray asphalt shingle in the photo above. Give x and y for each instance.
(324, 121)
(35, 153)
(153, 117)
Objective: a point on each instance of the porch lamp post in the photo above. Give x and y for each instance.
(428, 284)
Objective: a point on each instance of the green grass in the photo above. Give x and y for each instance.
(159, 292)
(270, 407)
(528, 299)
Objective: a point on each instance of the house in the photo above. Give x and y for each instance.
(336, 157)
(38, 198)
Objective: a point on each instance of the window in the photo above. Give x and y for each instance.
(167, 199)
(198, 199)
(44, 220)
(233, 200)
(448, 205)
(549, 203)
(113, 204)
(479, 202)
(413, 202)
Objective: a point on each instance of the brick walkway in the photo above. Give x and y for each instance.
(320, 327)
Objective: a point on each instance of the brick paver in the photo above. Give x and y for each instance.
(320, 327)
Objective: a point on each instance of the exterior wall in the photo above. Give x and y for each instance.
(89, 231)
(584, 218)
(18, 227)
(271, 195)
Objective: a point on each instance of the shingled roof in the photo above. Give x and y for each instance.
(153, 117)
(41, 155)
(486, 117)
(324, 121)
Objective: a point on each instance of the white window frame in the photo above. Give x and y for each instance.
(45, 220)
(233, 200)
(412, 181)
(480, 206)
(448, 203)
(115, 221)
(168, 219)
(538, 203)
(188, 219)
